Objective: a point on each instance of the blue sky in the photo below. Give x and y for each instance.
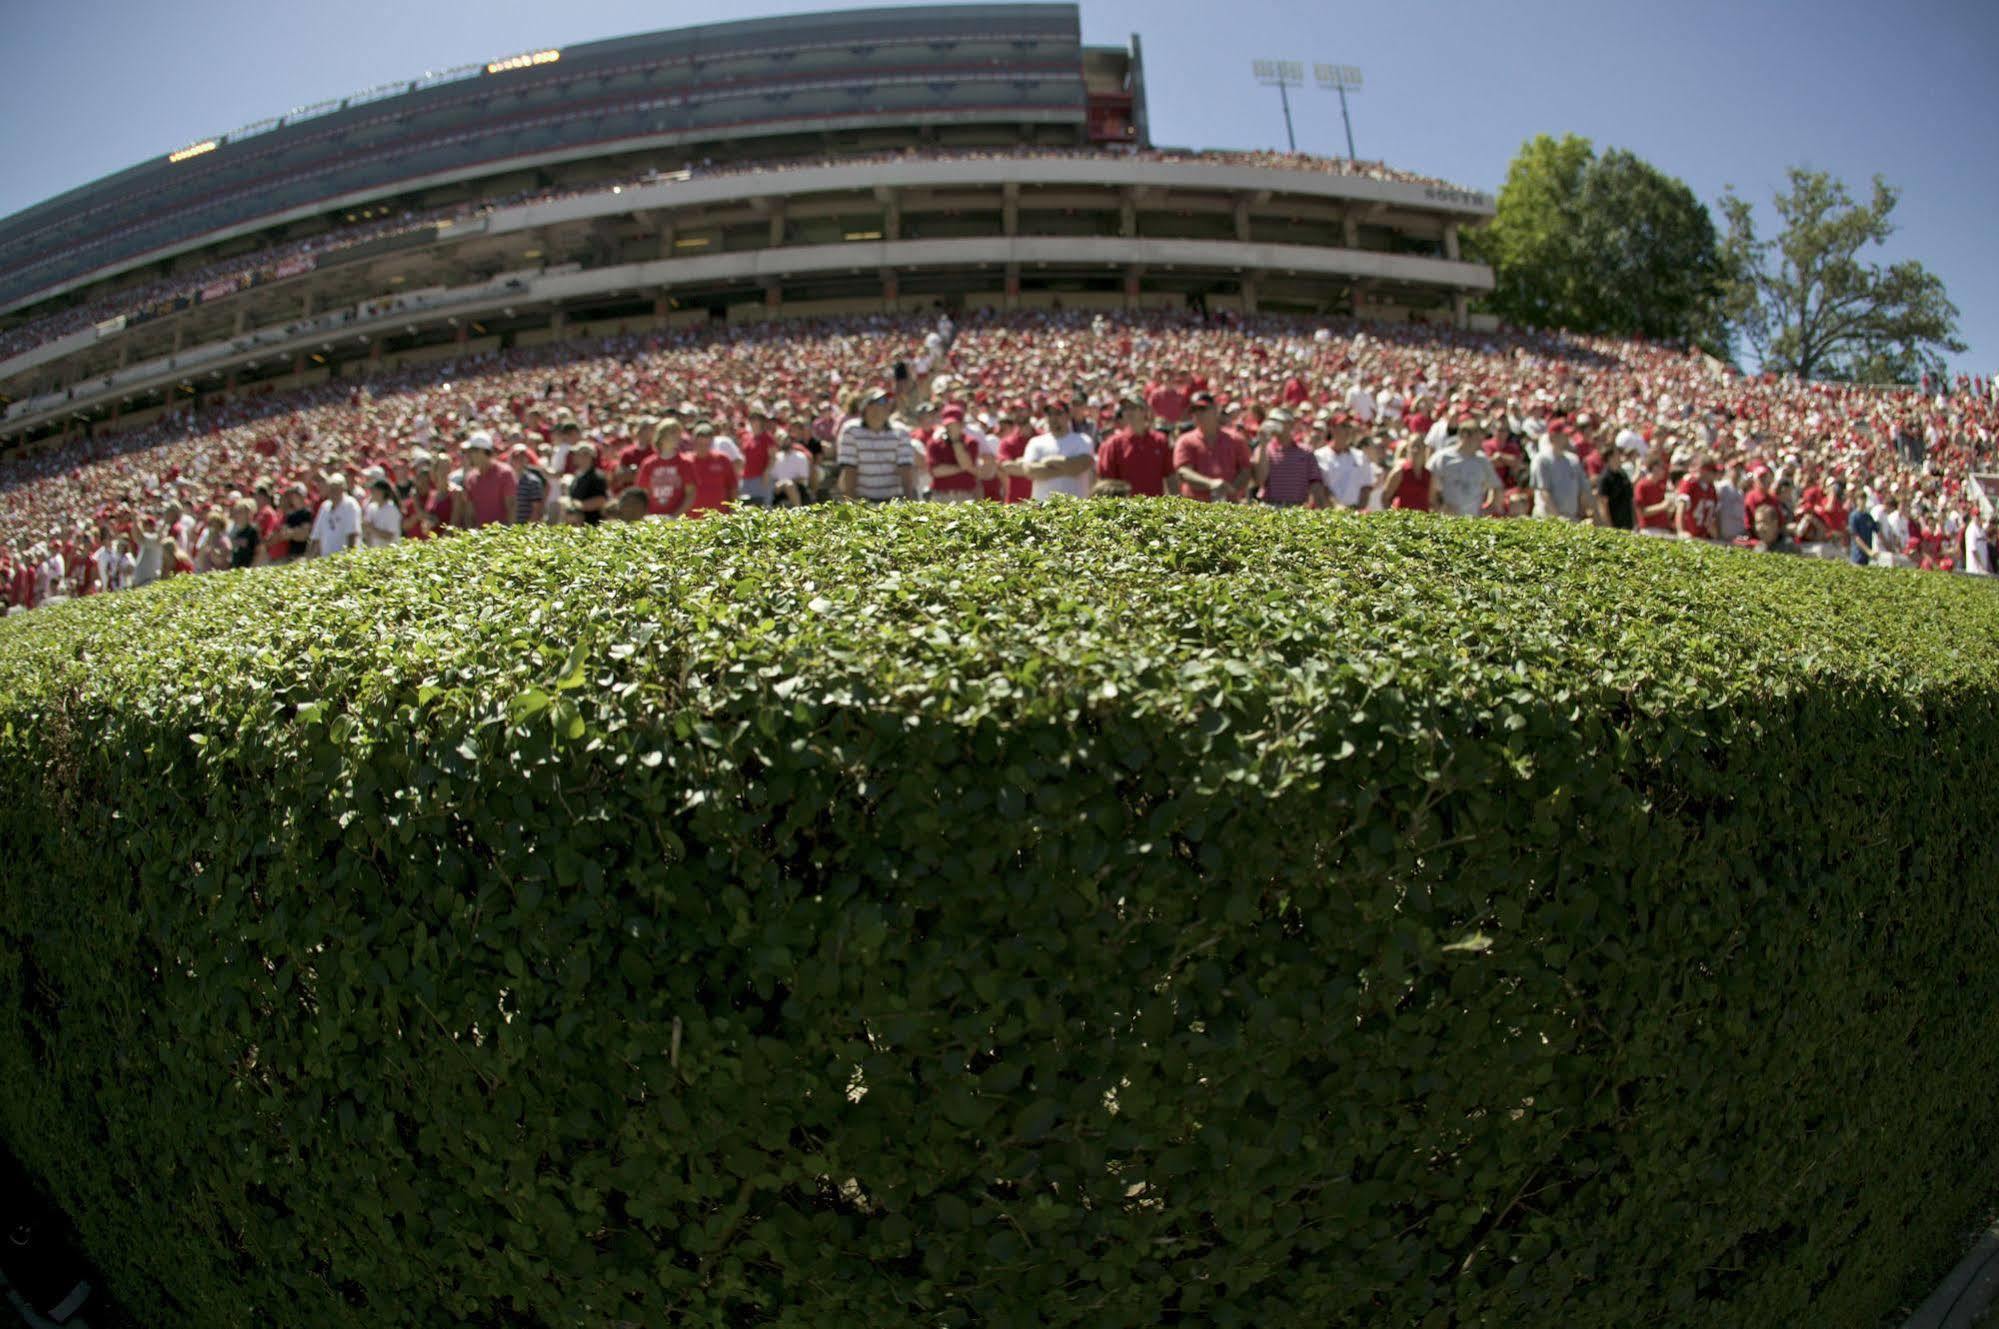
(1716, 93)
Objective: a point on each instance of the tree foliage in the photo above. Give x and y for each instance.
(1809, 305)
(1106, 914)
(1603, 244)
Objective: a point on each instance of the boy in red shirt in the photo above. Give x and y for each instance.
(665, 477)
(759, 445)
(713, 475)
(1699, 504)
(1653, 499)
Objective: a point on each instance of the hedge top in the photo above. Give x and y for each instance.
(1043, 610)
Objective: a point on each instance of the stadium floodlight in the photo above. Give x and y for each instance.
(523, 61)
(192, 150)
(1342, 79)
(1284, 75)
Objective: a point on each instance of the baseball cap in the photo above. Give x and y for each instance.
(1201, 401)
(481, 439)
(951, 413)
(873, 395)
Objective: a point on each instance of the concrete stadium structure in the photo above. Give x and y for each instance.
(958, 157)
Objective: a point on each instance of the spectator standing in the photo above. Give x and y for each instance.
(759, 446)
(1977, 550)
(665, 477)
(589, 493)
(211, 544)
(791, 471)
(1168, 402)
(1467, 484)
(295, 531)
(1696, 517)
(1559, 479)
(1863, 534)
(1614, 496)
(337, 528)
(49, 573)
(1731, 517)
(1136, 453)
(489, 484)
(952, 458)
(1061, 460)
(1410, 486)
(873, 455)
(531, 487)
(382, 522)
(1891, 532)
(1287, 472)
(245, 537)
(1006, 486)
(712, 472)
(1653, 497)
(1202, 456)
(151, 558)
(1346, 474)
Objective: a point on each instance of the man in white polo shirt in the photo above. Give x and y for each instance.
(1058, 462)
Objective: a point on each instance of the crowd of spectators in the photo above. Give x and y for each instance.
(1018, 407)
(225, 277)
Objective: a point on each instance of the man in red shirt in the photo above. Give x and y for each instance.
(758, 444)
(1203, 455)
(712, 473)
(665, 476)
(1167, 402)
(1013, 441)
(1699, 504)
(1137, 453)
(1653, 499)
(952, 459)
(489, 484)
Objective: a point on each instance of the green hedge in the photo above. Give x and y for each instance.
(1111, 914)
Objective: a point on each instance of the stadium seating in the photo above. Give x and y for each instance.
(1792, 441)
(219, 279)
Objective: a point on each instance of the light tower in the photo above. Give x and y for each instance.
(1340, 78)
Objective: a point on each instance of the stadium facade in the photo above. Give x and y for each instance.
(957, 156)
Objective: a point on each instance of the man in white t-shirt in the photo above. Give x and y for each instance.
(1360, 403)
(1977, 549)
(1344, 471)
(1058, 462)
(338, 525)
(790, 473)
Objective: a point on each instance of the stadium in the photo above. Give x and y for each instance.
(962, 158)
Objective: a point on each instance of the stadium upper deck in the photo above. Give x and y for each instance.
(868, 161)
(762, 78)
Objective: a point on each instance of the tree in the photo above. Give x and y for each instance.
(1808, 304)
(1650, 258)
(1530, 242)
(1603, 244)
